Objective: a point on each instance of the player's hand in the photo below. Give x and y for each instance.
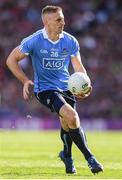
(26, 91)
(82, 95)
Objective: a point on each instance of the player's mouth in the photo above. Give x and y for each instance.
(61, 28)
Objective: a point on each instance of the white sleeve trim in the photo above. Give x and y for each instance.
(78, 53)
(26, 54)
(20, 48)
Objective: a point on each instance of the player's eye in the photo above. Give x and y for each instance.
(58, 20)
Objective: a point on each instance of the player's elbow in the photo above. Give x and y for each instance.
(8, 61)
(12, 58)
(11, 61)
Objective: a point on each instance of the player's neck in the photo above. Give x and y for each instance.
(52, 36)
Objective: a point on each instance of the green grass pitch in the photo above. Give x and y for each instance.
(34, 155)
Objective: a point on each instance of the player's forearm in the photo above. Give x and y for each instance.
(77, 64)
(16, 69)
(80, 68)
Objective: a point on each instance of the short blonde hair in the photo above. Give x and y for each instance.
(50, 9)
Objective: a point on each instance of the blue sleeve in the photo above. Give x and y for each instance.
(75, 48)
(26, 46)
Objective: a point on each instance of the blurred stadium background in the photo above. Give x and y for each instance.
(98, 27)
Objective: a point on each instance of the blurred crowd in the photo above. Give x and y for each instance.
(98, 27)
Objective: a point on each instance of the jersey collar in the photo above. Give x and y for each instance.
(46, 36)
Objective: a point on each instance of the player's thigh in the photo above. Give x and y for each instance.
(66, 111)
(70, 116)
(51, 99)
(70, 98)
(66, 116)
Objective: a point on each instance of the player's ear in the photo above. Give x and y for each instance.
(45, 19)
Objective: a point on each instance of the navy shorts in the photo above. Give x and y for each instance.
(54, 100)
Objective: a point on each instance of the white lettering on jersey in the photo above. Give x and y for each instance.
(43, 51)
(53, 64)
(54, 54)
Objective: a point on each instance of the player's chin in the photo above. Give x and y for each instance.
(60, 30)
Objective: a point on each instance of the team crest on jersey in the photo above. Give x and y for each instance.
(64, 51)
(53, 64)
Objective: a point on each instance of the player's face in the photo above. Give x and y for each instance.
(56, 22)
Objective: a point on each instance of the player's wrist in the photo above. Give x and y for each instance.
(25, 80)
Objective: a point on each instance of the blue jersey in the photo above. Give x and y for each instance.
(50, 59)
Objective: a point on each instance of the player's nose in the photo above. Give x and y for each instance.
(63, 22)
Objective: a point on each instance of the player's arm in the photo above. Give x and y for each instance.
(78, 67)
(12, 63)
(77, 64)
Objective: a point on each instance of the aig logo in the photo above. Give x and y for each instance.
(52, 64)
